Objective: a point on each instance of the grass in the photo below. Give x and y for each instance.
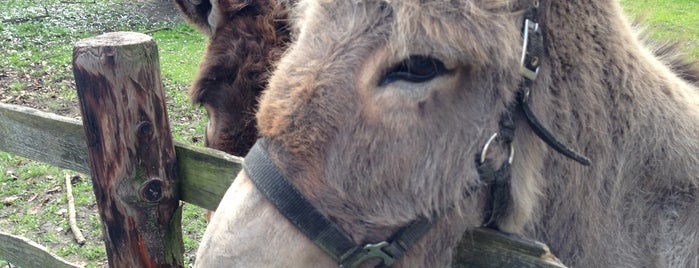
(676, 20)
(36, 39)
(174, 42)
(40, 211)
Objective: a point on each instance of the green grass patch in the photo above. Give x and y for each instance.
(180, 51)
(676, 20)
(36, 40)
(180, 48)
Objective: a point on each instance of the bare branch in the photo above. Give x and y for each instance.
(79, 238)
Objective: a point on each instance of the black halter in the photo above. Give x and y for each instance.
(322, 231)
(271, 182)
(498, 180)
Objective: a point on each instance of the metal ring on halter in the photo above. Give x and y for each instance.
(487, 144)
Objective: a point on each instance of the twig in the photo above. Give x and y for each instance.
(157, 30)
(79, 238)
(78, 2)
(24, 19)
(165, 29)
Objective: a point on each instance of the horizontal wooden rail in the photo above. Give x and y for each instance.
(45, 137)
(206, 175)
(483, 247)
(60, 141)
(26, 253)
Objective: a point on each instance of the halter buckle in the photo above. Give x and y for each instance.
(370, 251)
(532, 47)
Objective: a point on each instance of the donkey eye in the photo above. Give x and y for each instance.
(415, 69)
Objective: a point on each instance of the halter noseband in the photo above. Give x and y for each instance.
(322, 231)
(270, 181)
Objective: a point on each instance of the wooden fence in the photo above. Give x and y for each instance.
(140, 175)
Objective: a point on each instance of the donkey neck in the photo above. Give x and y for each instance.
(591, 39)
(596, 69)
(608, 98)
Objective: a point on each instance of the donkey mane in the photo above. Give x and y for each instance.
(671, 54)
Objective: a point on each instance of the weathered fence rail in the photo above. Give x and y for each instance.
(60, 141)
(27, 253)
(114, 67)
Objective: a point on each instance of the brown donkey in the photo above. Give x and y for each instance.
(382, 115)
(245, 39)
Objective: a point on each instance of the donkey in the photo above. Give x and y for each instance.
(548, 119)
(245, 39)
(242, 53)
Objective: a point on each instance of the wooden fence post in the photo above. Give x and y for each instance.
(132, 157)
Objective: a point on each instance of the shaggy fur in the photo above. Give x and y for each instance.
(668, 54)
(375, 156)
(246, 38)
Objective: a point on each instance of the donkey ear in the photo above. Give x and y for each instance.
(203, 14)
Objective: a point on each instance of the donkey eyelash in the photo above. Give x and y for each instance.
(414, 69)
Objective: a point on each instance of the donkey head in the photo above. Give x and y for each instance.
(245, 38)
(376, 115)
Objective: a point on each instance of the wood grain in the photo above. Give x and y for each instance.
(132, 156)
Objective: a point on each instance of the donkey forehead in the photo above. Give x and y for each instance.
(339, 39)
(462, 31)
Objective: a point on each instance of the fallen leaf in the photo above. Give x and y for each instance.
(76, 179)
(34, 210)
(7, 201)
(12, 174)
(55, 189)
(62, 211)
(43, 201)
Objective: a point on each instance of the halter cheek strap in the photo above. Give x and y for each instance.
(532, 54)
(498, 179)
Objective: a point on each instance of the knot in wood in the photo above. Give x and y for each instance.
(109, 51)
(144, 130)
(152, 190)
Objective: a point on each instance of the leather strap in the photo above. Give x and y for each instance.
(293, 205)
(498, 179)
(271, 182)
